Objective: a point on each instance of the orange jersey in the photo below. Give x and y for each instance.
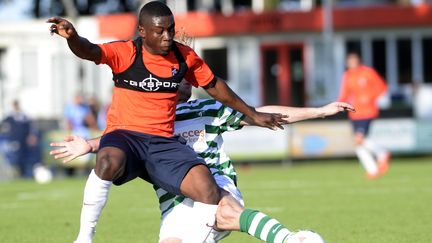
(361, 87)
(148, 112)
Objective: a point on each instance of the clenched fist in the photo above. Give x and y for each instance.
(62, 27)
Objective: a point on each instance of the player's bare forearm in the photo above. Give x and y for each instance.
(84, 49)
(219, 90)
(296, 114)
(80, 46)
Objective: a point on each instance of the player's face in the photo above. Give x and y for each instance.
(184, 92)
(158, 34)
(78, 99)
(353, 61)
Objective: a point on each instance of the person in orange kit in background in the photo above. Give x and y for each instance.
(361, 87)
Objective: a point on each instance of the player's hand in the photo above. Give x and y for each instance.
(72, 147)
(336, 107)
(62, 27)
(273, 121)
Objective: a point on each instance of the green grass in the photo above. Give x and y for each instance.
(333, 198)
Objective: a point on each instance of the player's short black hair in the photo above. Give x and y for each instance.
(354, 53)
(154, 9)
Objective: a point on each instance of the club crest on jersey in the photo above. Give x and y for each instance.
(174, 71)
(152, 84)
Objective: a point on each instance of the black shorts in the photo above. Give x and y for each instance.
(161, 161)
(361, 126)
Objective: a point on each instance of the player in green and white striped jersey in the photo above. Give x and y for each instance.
(201, 123)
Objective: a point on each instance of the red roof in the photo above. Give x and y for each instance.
(200, 24)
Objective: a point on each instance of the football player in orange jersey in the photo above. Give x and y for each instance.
(362, 87)
(197, 118)
(138, 140)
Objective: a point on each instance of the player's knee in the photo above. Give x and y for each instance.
(209, 193)
(199, 185)
(108, 166)
(170, 240)
(359, 139)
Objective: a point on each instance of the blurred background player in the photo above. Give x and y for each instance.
(201, 123)
(79, 120)
(362, 87)
(80, 117)
(22, 141)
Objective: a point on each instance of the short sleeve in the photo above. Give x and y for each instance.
(229, 119)
(118, 55)
(199, 73)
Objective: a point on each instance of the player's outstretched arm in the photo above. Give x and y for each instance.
(295, 114)
(80, 46)
(219, 90)
(73, 147)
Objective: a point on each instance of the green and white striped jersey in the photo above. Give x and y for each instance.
(201, 123)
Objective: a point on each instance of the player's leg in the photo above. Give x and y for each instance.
(199, 185)
(110, 166)
(232, 216)
(175, 220)
(183, 218)
(365, 157)
(95, 197)
(361, 128)
(97, 189)
(177, 168)
(206, 191)
(110, 163)
(382, 155)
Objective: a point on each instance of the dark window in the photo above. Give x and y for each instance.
(427, 60)
(271, 71)
(379, 60)
(297, 76)
(353, 46)
(216, 59)
(191, 6)
(404, 61)
(2, 52)
(241, 4)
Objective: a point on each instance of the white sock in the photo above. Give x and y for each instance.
(376, 149)
(204, 219)
(367, 160)
(95, 197)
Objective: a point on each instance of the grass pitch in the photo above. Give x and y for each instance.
(332, 198)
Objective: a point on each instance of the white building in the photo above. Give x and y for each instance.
(269, 58)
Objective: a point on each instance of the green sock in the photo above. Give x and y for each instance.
(263, 227)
